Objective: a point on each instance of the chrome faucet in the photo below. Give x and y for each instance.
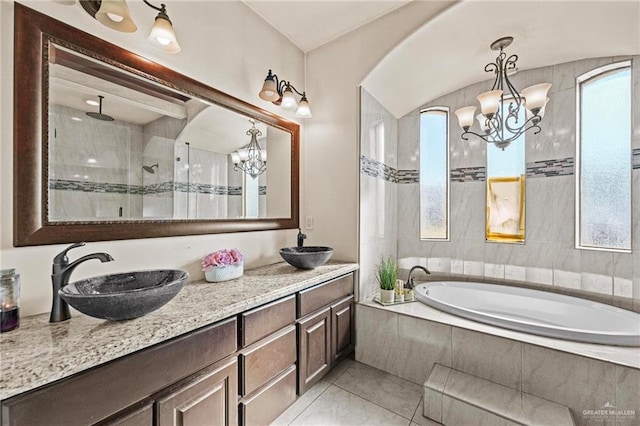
(60, 274)
(301, 237)
(410, 278)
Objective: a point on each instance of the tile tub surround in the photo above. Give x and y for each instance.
(579, 375)
(453, 397)
(39, 353)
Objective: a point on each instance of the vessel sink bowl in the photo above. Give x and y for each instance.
(124, 296)
(306, 257)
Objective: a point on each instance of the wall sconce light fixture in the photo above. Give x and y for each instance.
(251, 159)
(115, 14)
(501, 105)
(281, 92)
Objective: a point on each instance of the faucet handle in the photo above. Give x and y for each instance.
(61, 258)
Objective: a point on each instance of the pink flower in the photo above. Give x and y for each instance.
(222, 258)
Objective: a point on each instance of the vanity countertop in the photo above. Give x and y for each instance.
(38, 353)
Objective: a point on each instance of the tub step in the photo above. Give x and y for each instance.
(452, 397)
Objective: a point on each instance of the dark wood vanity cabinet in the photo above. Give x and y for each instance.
(246, 370)
(325, 329)
(126, 390)
(267, 380)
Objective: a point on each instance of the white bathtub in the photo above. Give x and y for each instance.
(533, 311)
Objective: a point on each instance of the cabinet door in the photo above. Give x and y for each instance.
(342, 329)
(209, 398)
(314, 345)
(142, 416)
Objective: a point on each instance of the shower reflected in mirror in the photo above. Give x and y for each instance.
(150, 169)
(99, 115)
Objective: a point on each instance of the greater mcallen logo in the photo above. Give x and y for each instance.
(609, 410)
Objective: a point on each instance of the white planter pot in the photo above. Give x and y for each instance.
(387, 296)
(224, 273)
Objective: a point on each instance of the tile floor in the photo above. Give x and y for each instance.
(356, 394)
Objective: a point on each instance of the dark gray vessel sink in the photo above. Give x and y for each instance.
(306, 257)
(124, 296)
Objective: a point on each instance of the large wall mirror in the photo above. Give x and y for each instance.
(108, 145)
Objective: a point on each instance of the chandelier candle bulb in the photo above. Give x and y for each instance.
(465, 116)
(536, 96)
(540, 114)
(482, 121)
(489, 102)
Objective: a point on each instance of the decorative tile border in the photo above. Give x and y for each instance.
(156, 188)
(110, 188)
(376, 169)
(635, 158)
(408, 176)
(550, 168)
(469, 174)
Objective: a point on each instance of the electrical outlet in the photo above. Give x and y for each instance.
(309, 223)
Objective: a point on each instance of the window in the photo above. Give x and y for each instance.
(434, 174)
(506, 168)
(603, 158)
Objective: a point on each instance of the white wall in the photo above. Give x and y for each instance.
(224, 45)
(334, 72)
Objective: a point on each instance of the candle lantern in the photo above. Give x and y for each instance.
(9, 300)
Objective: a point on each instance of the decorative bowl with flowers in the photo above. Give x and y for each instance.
(223, 265)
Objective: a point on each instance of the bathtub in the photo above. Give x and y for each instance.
(534, 311)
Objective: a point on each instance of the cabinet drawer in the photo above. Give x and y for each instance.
(261, 322)
(267, 358)
(321, 295)
(270, 401)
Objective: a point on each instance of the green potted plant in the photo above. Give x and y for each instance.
(386, 277)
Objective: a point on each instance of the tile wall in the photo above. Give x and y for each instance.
(90, 173)
(378, 191)
(548, 257)
(104, 178)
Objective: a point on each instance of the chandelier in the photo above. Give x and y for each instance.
(502, 120)
(280, 92)
(251, 159)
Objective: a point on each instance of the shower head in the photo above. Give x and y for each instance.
(149, 169)
(99, 115)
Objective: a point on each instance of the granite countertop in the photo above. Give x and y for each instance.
(38, 352)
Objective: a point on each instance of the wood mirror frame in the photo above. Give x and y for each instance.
(33, 32)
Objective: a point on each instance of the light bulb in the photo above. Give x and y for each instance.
(288, 99)
(162, 35)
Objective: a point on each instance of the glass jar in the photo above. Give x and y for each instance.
(9, 300)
